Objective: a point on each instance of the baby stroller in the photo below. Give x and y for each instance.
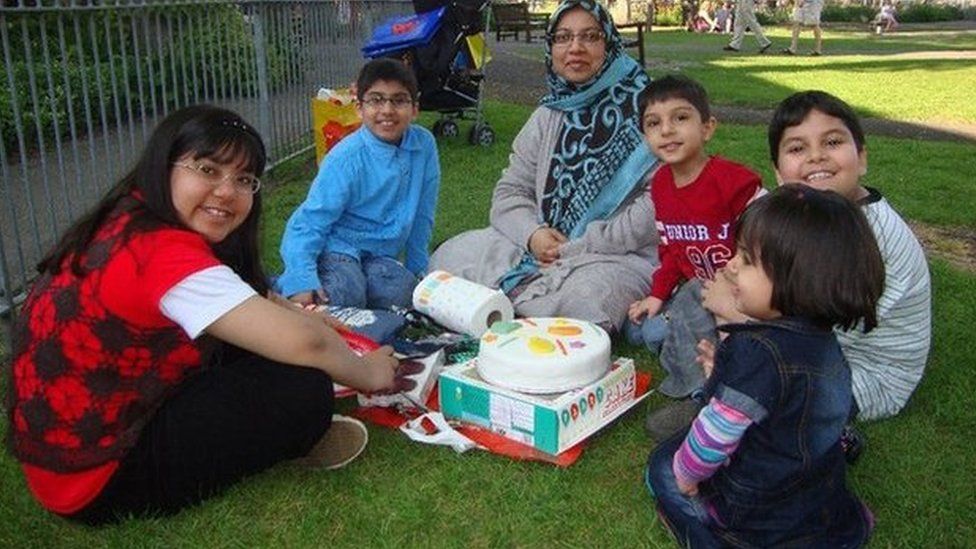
(440, 44)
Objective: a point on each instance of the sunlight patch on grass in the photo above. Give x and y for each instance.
(909, 77)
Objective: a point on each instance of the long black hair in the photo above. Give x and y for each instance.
(199, 131)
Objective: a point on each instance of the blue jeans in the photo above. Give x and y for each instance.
(649, 332)
(367, 283)
(685, 516)
(673, 335)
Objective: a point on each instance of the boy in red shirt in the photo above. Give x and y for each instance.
(697, 199)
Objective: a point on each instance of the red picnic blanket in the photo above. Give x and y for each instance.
(493, 442)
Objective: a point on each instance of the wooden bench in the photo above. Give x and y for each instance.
(511, 19)
(636, 42)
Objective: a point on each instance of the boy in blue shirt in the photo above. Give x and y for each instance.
(373, 199)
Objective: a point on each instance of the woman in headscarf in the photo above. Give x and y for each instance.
(572, 227)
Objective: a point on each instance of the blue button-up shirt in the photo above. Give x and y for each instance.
(370, 198)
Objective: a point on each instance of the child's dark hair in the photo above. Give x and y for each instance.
(203, 131)
(675, 86)
(818, 250)
(388, 69)
(793, 110)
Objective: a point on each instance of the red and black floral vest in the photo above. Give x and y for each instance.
(85, 380)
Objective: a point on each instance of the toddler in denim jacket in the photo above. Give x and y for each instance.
(762, 463)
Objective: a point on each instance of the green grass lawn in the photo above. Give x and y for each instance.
(897, 76)
(908, 76)
(918, 472)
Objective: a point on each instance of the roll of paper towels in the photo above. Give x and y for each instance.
(461, 305)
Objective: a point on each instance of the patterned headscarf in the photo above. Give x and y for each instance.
(600, 155)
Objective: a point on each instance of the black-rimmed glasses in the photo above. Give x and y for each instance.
(377, 101)
(587, 37)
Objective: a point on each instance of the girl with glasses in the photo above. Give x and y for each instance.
(149, 371)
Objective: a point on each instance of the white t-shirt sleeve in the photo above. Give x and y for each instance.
(203, 297)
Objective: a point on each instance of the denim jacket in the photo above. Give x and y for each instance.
(785, 484)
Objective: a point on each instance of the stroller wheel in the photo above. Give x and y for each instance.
(445, 127)
(481, 134)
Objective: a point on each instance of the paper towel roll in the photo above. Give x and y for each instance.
(460, 305)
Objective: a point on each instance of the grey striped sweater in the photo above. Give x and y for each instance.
(887, 363)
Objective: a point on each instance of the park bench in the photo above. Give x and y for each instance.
(637, 41)
(510, 19)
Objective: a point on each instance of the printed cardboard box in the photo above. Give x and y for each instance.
(550, 423)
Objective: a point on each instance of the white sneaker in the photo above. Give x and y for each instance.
(341, 444)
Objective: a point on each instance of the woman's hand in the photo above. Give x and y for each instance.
(544, 245)
(649, 306)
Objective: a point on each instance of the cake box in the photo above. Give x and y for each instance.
(550, 423)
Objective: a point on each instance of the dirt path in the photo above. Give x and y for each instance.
(956, 245)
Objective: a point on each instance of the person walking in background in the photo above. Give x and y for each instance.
(705, 22)
(807, 13)
(723, 18)
(689, 13)
(886, 21)
(745, 16)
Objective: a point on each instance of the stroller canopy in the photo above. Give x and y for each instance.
(401, 32)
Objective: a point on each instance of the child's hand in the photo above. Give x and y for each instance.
(649, 306)
(378, 372)
(544, 244)
(311, 297)
(690, 490)
(717, 298)
(706, 357)
(401, 378)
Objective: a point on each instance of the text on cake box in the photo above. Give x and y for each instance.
(550, 423)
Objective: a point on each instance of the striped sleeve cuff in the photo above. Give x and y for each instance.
(713, 437)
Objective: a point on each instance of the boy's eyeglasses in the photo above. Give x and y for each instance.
(242, 183)
(587, 37)
(377, 101)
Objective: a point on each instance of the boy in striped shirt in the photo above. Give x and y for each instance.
(816, 139)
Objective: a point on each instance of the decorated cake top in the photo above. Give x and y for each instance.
(542, 338)
(543, 355)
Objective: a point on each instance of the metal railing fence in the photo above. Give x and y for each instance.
(84, 83)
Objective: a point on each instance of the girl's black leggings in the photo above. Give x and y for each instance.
(238, 417)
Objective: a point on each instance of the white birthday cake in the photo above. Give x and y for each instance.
(543, 355)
